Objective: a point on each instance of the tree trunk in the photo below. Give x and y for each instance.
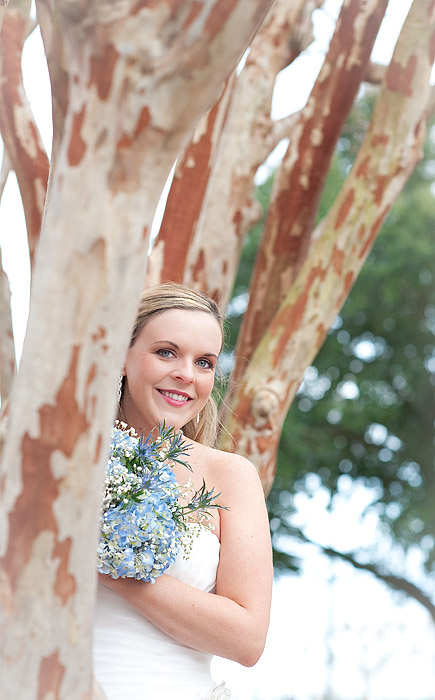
(3, 6)
(210, 207)
(299, 182)
(7, 349)
(17, 125)
(340, 245)
(185, 201)
(7, 345)
(53, 38)
(140, 76)
(229, 210)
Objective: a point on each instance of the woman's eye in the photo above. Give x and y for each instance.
(164, 352)
(205, 364)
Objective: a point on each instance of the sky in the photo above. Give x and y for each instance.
(333, 627)
(335, 632)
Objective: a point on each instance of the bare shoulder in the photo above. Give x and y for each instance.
(227, 470)
(227, 462)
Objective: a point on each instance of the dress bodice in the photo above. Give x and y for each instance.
(134, 660)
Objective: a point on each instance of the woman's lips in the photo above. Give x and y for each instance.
(175, 398)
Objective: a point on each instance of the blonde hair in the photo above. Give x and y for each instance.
(164, 297)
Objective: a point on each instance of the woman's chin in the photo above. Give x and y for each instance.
(171, 421)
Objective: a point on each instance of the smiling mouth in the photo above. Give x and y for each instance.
(175, 396)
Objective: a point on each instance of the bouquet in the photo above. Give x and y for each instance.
(145, 511)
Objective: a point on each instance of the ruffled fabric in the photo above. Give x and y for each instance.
(218, 692)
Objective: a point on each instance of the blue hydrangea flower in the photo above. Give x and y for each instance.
(142, 520)
(139, 537)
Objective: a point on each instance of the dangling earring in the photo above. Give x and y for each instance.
(119, 388)
(197, 418)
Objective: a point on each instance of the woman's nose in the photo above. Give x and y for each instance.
(184, 372)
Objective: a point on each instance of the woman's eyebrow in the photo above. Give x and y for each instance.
(174, 345)
(168, 342)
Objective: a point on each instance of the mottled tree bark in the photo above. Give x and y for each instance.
(7, 348)
(4, 172)
(375, 73)
(3, 6)
(210, 206)
(7, 345)
(52, 35)
(229, 209)
(130, 81)
(388, 155)
(299, 182)
(17, 125)
(167, 261)
(140, 75)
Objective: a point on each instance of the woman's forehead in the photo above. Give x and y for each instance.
(184, 324)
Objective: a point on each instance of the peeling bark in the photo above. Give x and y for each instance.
(375, 73)
(7, 347)
(17, 125)
(52, 38)
(229, 210)
(130, 81)
(3, 6)
(4, 172)
(210, 205)
(299, 182)
(7, 344)
(280, 129)
(387, 156)
(140, 75)
(167, 261)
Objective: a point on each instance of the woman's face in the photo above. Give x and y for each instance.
(170, 369)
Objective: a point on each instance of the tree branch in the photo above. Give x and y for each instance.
(227, 210)
(280, 129)
(53, 40)
(3, 6)
(17, 125)
(397, 583)
(375, 73)
(431, 105)
(300, 178)
(4, 171)
(167, 261)
(7, 348)
(338, 248)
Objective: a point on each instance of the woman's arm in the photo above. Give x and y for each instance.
(234, 622)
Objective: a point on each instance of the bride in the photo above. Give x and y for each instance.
(155, 641)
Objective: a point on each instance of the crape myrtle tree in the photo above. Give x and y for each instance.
(365, 411)
(129, 80)
(137, 85)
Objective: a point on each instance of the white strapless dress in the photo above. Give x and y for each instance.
(134, 660)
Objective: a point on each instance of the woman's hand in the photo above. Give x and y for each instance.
(233, 622)
(103, 578)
